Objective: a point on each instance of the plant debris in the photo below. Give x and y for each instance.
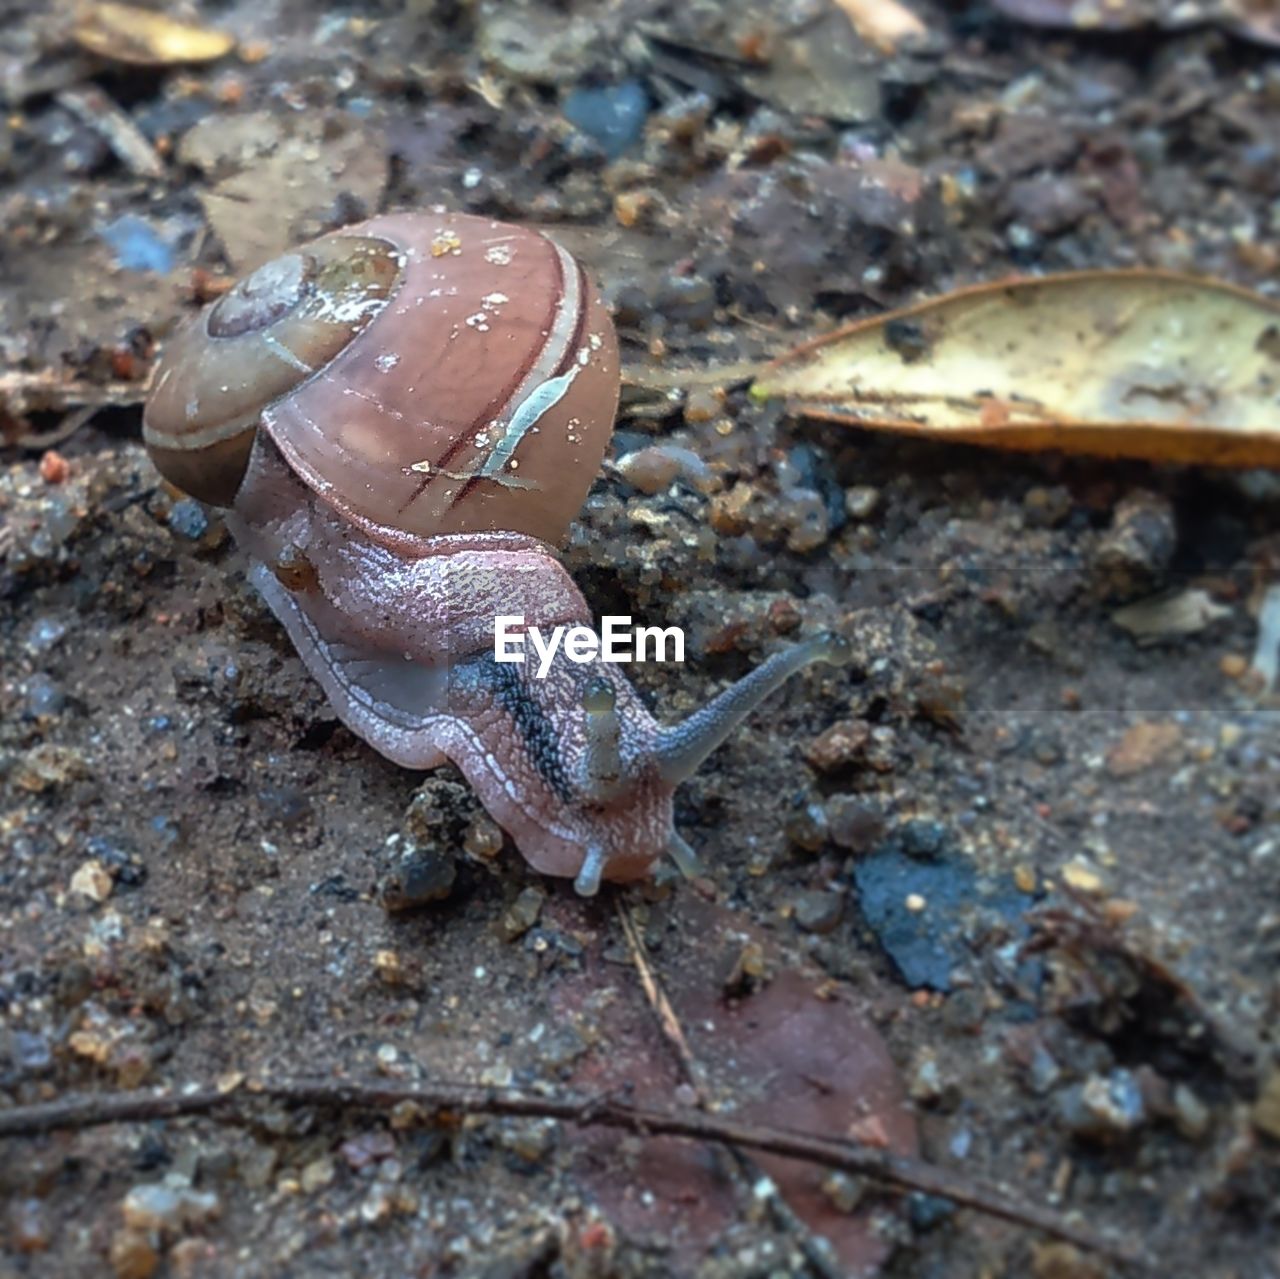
(1121, 364)
(143, 37)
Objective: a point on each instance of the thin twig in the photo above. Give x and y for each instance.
(661, 1005)
(602, 1111)
(646, 378)
(47, 390)
(93, 108)
(38, 441)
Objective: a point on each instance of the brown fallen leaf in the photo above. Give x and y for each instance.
(143, 37)
(794, 1051)
(1129, 363)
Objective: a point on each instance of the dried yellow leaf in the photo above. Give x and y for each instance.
(143, 37)
(1145, 364)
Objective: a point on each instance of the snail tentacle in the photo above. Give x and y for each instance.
(681, 748)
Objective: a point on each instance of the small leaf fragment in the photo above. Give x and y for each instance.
(1186, 613)
(1130, 363)
(143, 37)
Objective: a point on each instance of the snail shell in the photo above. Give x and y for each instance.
(424, 373)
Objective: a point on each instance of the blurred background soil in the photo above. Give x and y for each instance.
(1040, 855)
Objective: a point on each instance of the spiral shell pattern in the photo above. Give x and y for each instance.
(423, 373)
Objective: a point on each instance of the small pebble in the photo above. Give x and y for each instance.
(46, 633)
(928, 1211)
(924, 1080)
(139, 245)
(28, 1226)
(530, 1139)
(132, 1255)
(613, 115)
(842, 1191)
(48, 766)
(845, 743)
(1143, 745)
(522, 914)
(1104, 1107)
(1234, 666)
(654, 469)
(1063, 1261)
(316, 1175)
(378, 1205)
(630, 207)
(806, 827)
(702, 404)
(1191, 1116)
(44, 697)
(861, 501)
(187, 518)
(31, 1053)
(54, 468)
(1044, 1073)
(1047, 507)
(854, 824)
(391, 968)
(368, 1148)
(169, 1205)
(152, 1207)
(1083, 878)
(1136, 551)
(92, 880)
(561, 1048)
(421, 876)
(807, 519)
(819, 912)
(483, 838)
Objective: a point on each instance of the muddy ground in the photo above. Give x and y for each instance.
(1039, 857)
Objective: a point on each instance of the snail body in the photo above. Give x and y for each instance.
(402, 417)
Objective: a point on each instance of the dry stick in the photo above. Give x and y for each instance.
(605, 1112)
(104, 115)
(44, 389)
(690, 1067)
(660, 1004)
(645, 378)
(60, 434)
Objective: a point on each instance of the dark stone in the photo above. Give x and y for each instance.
(818, 912)
(918, 861)
(613, 115)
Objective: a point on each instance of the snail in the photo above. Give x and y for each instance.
(402, 417)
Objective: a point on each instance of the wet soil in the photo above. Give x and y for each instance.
(1040, 857)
